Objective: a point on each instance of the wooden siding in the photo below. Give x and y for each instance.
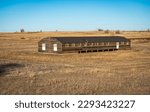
(82, 47)
(49, 45)
(95, 46)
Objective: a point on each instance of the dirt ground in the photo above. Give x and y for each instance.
(25, 71)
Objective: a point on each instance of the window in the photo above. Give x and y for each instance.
(91, 44)
(97, 44)
(69, 45)
(94, 44)
(66, 45)
(88, 44)
(122, 43)
(127, 43)
(55, 47)
(102, 43)
(105, 43)
(73, 45)
(77, 45)
(85, 44)
(43, 47)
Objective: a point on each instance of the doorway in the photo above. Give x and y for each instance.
(43, 47)
(117, 45)
(55, 47)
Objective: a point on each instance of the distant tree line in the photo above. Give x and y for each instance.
(109, 31)
(22, 30)
(119, 32)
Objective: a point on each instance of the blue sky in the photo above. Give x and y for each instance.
(70, 15)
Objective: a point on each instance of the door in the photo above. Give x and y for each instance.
(43, 47)
(117, 45)
(55, 47)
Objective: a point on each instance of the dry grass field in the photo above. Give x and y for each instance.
(25, 71)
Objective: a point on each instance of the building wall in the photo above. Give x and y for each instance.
(49, 42)
(101, 46)
(80, 47)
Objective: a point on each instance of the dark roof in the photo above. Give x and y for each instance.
(70, 40)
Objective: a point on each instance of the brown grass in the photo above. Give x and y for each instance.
(25, 71)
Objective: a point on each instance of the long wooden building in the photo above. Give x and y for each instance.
(83, 44)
